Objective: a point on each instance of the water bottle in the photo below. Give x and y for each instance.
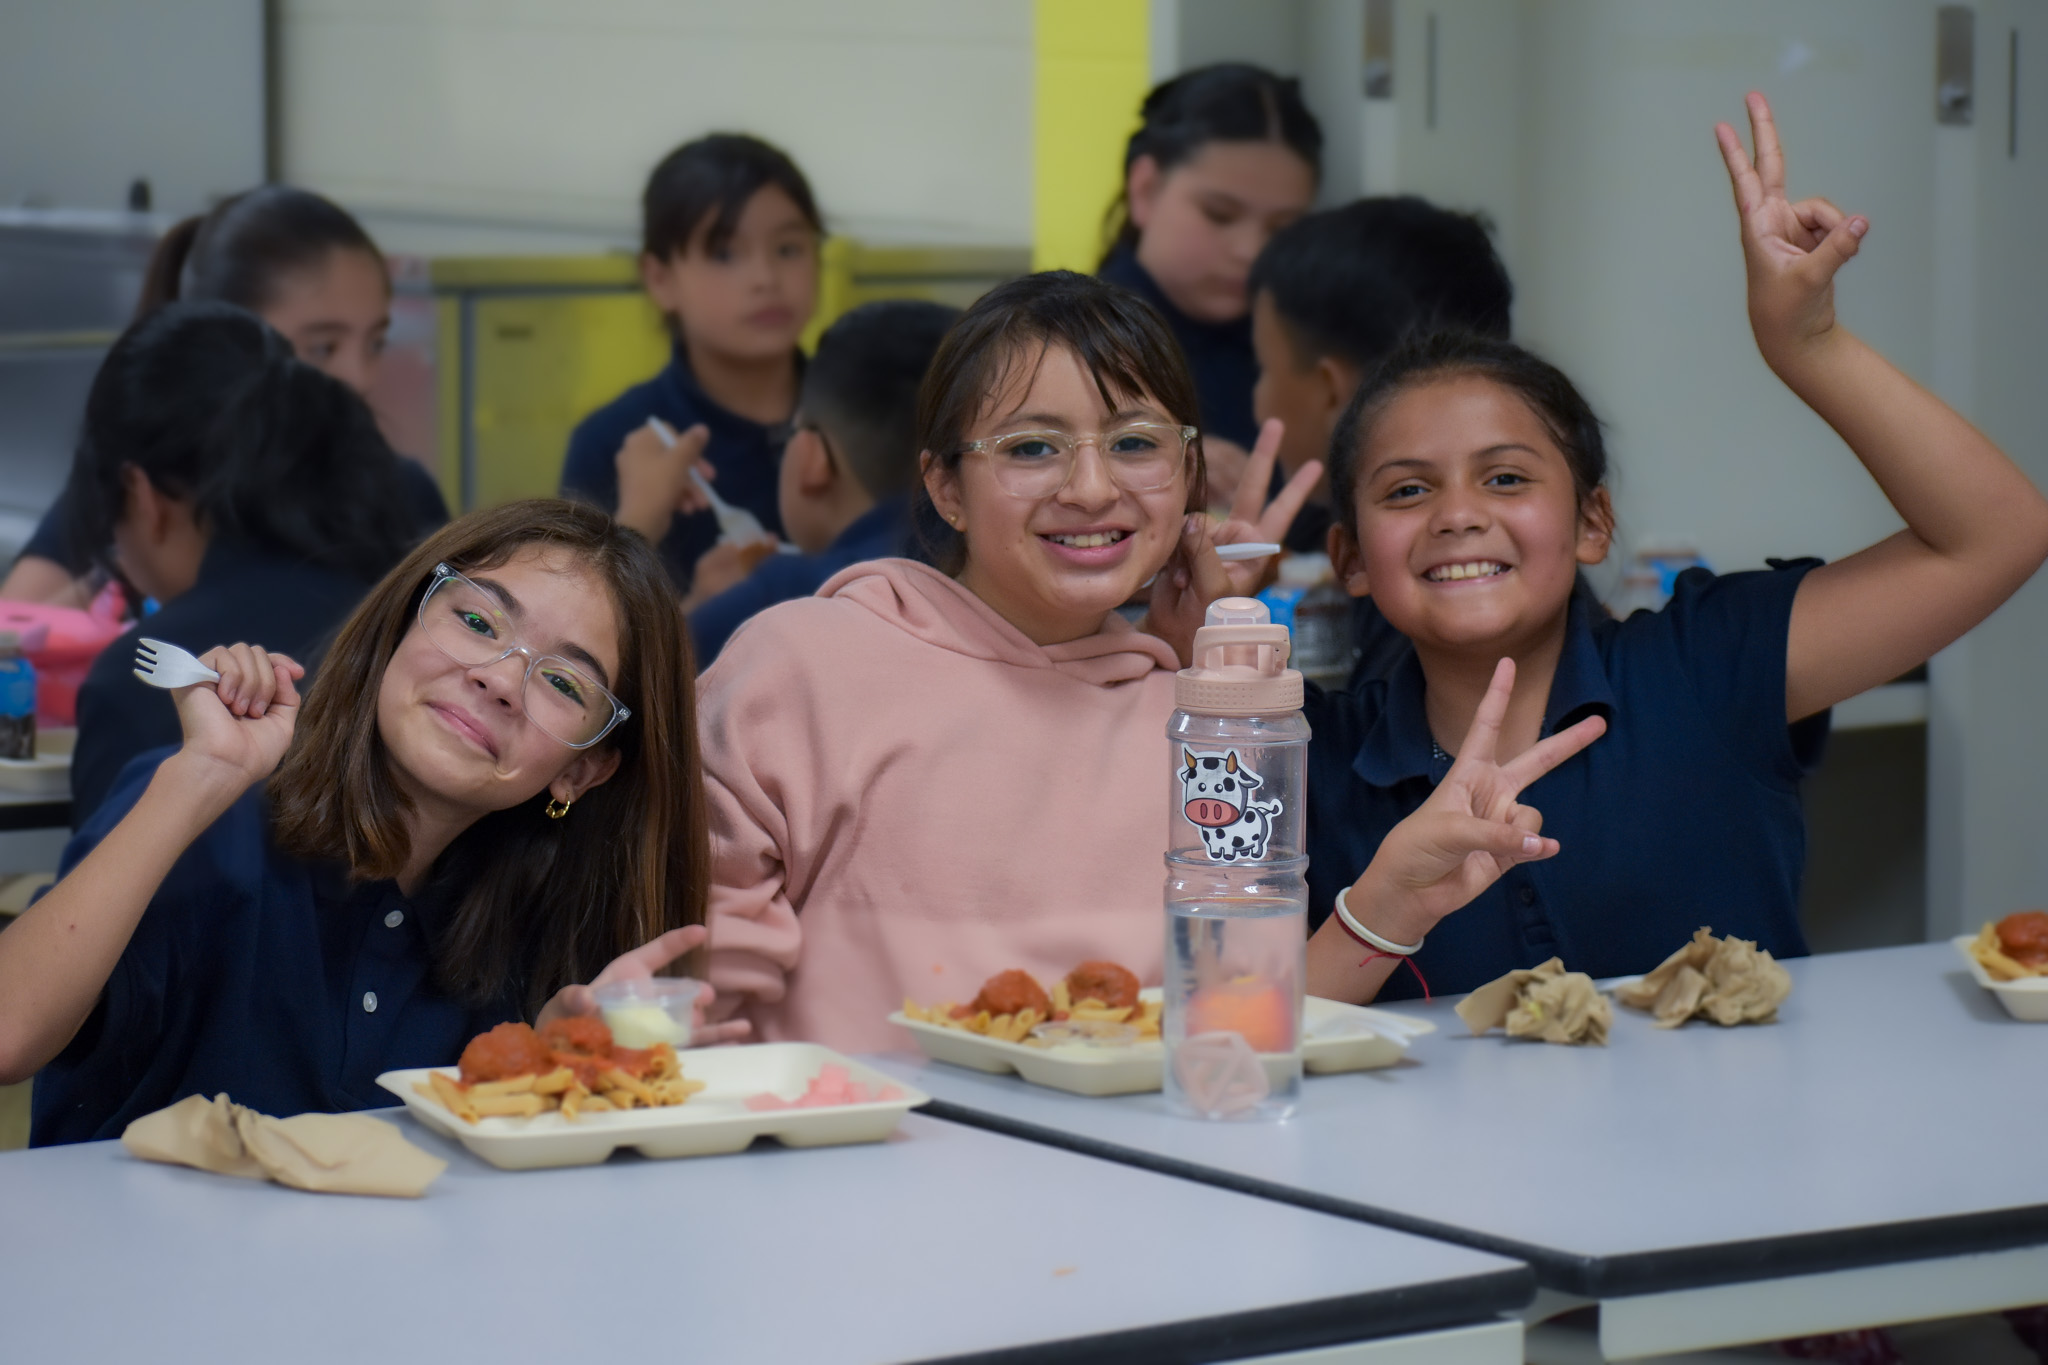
(1236, 872)
(17, 699)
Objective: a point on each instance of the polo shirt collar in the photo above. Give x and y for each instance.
(1399, 746)
(682, 381)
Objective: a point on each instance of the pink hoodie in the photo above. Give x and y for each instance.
(908, 796)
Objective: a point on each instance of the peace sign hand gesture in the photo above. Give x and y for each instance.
(1791, 251)
(1470, 830)
(1196, 576)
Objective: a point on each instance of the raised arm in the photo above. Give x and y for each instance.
(1976, 528)
(56, 958)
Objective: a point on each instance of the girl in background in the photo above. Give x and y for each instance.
(1226, 157)
(729, 254)
(241, 488)
(923, 776)
(490, 796)
(1469, 477)
(303, 265)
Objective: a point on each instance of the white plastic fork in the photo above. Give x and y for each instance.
(735, 524)
(161, 664)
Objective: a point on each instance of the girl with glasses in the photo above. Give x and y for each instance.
(491, 796)
(924, 776)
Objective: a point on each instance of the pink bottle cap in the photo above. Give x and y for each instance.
(1240, 666)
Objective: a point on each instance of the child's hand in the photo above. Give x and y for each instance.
(1196, 576)
(1791, 251)
(238, 728)
(723, 566)
(654, 478)
(640, 964)
(1470, 830)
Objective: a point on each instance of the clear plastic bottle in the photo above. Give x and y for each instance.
(1236, 873)
(17, 699)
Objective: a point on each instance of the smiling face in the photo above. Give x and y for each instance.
(458, 737)
(752, 297)
(1470, 531)
(335, 313)
(1056, 566)
(1202, 224)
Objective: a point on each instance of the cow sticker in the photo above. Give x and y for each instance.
(1217, 797)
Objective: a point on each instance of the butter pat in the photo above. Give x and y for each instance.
(642, 1025)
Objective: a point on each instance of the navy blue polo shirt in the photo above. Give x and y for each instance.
(257, 974)
(1219, 354)
(1685, 813)
(878, 533)
(746, 454)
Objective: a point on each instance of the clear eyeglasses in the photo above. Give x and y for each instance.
(471, 626)
(1142, 457)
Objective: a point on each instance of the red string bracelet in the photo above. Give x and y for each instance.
(1374, 954)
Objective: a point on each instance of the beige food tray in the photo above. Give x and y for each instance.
(1339, 1037)
(713, 1121)
(2025, 999)
(48, 773)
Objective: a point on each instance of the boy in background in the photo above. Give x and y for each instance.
(1331, 294)
(847, 471)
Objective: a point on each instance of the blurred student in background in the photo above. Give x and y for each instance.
(1226, 156)
(849, 466)
(246, 491)
(1332, 295)
(304, 266)
(729, 254)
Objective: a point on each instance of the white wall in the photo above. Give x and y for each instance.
(912, 118)
(94, 94)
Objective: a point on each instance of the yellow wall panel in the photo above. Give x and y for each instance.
(1092, 69)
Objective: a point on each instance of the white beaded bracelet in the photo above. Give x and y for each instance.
(1385, 945)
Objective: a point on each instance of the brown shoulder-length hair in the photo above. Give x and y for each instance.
(537, 904)
(1124, 345)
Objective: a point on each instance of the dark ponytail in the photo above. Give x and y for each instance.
(210, 405)
(1229, 102)
(239, 250)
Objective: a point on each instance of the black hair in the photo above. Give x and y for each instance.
(1122, 343)
(860, 389)
(713, 178)
(1557, 403)
(209, 403)
(239, 250)
(1353, 281)
(1228, 102)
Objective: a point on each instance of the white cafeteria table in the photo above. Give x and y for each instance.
(946, 1242)
(1874, 1156)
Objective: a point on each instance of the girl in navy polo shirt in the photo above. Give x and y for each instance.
(729, 253)
(1226, 156)
(492, 794)
(1468, 475)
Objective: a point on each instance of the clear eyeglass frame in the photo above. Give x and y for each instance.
(1068, 444)
(444, 575)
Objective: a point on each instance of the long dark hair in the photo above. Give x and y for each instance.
(210, 405)
(1554, 399)
(538, 904)
(1229, 102)
(1125, 347)
(238, 251)
(711, 180)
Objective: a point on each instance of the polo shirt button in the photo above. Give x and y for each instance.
(369, 1002)
(1528, 895)
(394, 919)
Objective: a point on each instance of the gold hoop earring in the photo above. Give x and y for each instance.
(557, 809)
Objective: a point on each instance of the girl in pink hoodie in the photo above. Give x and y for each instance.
(919, 778)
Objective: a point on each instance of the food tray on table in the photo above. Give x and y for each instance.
(715, 1120)
(1338, 1037)
(2026, 998)
(48, 773)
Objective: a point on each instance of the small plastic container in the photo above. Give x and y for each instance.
(654, 1010)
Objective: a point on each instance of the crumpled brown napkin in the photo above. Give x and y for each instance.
(1730, 980)
(328, 1153)
(1545, 1002)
